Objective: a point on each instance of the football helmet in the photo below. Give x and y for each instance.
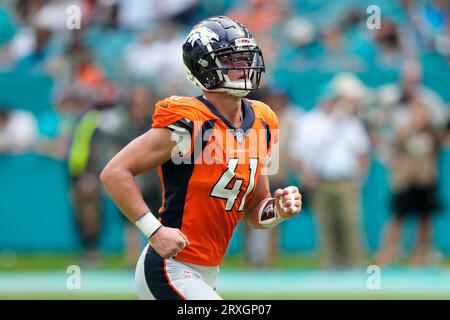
(221, 55)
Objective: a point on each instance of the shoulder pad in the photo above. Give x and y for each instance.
(176, 109)
(263, 111)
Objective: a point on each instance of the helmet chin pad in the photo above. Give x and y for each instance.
(238, 93)
(238, 88)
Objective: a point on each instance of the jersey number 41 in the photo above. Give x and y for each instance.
(231, 194)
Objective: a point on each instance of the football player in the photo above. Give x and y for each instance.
(210, 158)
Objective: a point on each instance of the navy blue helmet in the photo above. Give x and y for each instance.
(218, 45)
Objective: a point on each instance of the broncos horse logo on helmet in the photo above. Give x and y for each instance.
(203, 34)
(220, 44)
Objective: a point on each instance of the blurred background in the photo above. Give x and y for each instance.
(362, 95)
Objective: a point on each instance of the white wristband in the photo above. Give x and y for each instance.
(268, 214)
(148, 224)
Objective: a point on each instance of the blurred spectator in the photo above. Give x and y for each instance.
(34, 61)
(413, 178)
(31, 48)
(85, 162)
(181, 11)
(83, 165)
(144, 14)
(417, 121)
(139, 57)
(27, 10)
(331, 152)
(392, 45)
(335, 56)
(260, 16)
(430, 22)
(102, 13)
(70, 100)
(155, 58)
(52, 15)
(87, 72)
(138, 14)
(21, 46)
(380, 114)
(18, 131)
(300, 46)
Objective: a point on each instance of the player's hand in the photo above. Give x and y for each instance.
(168, 242)
(288, 201)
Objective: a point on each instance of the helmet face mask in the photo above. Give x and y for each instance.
(241, 70)
(221, 55)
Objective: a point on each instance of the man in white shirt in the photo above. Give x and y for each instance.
(18, 131)
(330, 149)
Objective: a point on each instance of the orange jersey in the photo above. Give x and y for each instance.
(205, 195)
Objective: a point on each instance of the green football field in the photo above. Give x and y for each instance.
(292, 278)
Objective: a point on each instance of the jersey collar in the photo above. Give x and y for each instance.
(248, 114)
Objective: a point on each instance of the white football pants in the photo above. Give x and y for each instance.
(168, 279)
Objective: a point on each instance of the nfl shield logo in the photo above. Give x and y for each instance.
(239, 135)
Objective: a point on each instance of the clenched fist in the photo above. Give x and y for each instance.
(288, 201)
(168, 242)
